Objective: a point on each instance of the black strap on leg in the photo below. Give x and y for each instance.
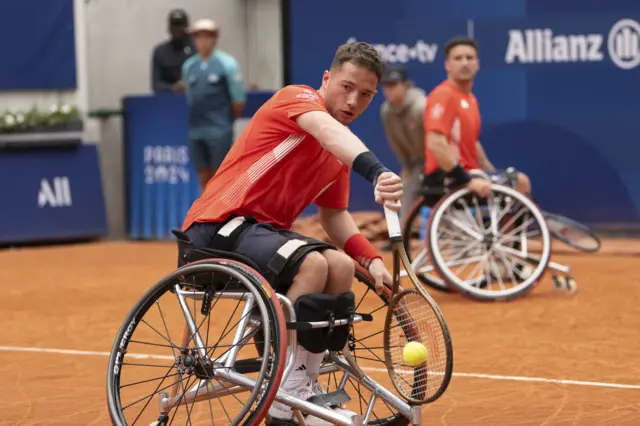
(291, 251)
(228, 235)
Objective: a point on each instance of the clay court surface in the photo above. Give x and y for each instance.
(548, 359)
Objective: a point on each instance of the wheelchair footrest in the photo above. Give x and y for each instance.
(331, 399)
(301, 325)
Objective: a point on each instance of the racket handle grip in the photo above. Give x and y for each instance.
(393, 225)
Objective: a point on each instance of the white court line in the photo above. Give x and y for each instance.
(378, 370)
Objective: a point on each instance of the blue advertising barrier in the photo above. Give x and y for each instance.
(51, 194)
(558, 87)
(44, 57)
(161, 183)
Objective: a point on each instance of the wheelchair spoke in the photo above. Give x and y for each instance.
(457, 237)
(159, 334)
(156, 390)
(148, 380)
(148, 398)
(509, 266)
(494, 272)
(223, 334)
(152, 344)
(209, 403)
(195, 396)
(512, 219)
(178, 405)
(157, 303)
(363, 296)
(227, 333)
(147, 365)
(520, 228)
(503, 212)
(470, 232)
(370, 336)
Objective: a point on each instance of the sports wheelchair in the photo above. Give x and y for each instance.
(211, 343)
(496, 248)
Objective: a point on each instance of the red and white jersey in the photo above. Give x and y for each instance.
(275, 169)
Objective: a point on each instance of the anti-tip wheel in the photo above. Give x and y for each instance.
(565, 284)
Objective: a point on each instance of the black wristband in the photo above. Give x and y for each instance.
(368, 166)
(459, 175)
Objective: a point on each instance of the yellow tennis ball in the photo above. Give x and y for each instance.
(414, 353)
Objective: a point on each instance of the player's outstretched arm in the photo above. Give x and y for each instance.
(344, 233)
(332, 135)
(350, 150)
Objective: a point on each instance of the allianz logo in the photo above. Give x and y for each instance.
(542, 45)
(55, 193)
(402, 53)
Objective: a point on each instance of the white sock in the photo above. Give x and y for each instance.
(314, 361)
(298, 375)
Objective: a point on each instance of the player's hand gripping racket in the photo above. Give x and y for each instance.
(421, 371)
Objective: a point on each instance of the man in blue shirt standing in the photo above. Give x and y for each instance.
(215, 96)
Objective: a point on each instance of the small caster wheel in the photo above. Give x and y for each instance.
(557, 282)
(565, 284)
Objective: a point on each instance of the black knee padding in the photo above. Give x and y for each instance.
(323, 307)
(345, 308)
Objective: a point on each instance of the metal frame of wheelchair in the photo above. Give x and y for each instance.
(434, 270)
(227, 370)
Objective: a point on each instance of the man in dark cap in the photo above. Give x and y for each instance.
(402, 117)
(169, 56)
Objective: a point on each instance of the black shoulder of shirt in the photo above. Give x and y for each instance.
(161, 46)
(168, 45)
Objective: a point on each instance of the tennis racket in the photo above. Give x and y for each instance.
(572, 233)
(413, 316)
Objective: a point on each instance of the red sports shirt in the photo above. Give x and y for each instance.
(455, 114)
(275, 169)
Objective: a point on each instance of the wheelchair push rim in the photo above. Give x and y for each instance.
(495, 235)
(187, 370)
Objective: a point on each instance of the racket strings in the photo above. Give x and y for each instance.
(572, 233)
(415, 321)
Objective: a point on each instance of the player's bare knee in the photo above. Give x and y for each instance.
(313, 270)
(340, 274)
(524, 183)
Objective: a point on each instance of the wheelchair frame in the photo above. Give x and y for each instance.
(346, 364)
(237, 382)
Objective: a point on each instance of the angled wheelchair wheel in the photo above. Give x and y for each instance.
(489, 249)
(186, 352)
(415, 244)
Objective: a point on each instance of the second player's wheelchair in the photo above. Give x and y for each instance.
(495, 248)
(212, 342)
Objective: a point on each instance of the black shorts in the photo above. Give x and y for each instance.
(258, 243)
